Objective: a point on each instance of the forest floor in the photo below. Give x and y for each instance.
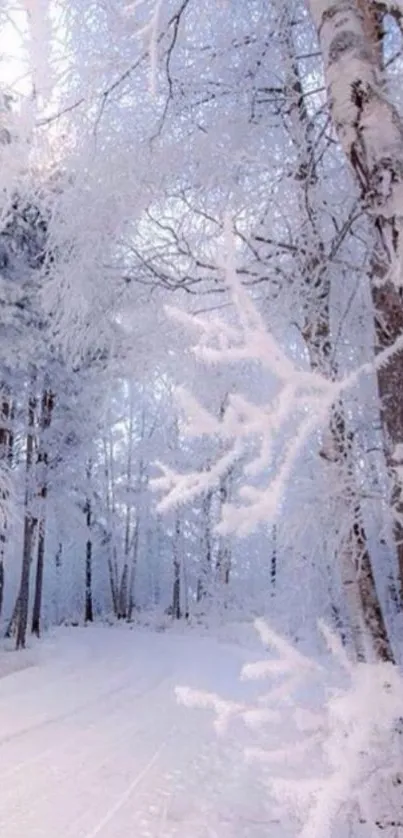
(93, 741)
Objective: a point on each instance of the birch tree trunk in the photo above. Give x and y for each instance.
(58, 568)
(176, 590)
(89, 613)
(185, 586)
(350, 40)
(5, 455)
(30, 521)
(1, 587)
(273, 563)
(204, 580)
(368, 627)
(42, 466)
(133, 568)
(126, 580)
(112, 565)
(223, 562)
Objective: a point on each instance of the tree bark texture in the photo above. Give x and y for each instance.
(371, 133)
(42, 466)
(6, 448)
(30, 522)
(89, 611)
(176, 590)
(368, 628)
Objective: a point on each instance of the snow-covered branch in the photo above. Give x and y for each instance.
(331, 755)
(268, 436)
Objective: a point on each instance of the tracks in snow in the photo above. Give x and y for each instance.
(95, 745)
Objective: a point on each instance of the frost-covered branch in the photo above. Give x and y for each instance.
(267, 437)
(331, 755)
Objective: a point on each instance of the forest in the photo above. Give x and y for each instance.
(201, 402)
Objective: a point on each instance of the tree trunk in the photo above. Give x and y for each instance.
(29, 530)
(367, 624)
(110, 505)
(123, 593)
(4, 442)
(1, 586)
(113, 582)
(129, 474)
(223, 563)
(23, 598)
(124, 606)
(350, 37)
(42, 465)
(12, 623)
(133, 568)
(368, 627)
(176, 590)
(40, 563)
(6, 447)
(185, 586)
(204, 580)
(89, 613)
(273, 568)
(58, 567)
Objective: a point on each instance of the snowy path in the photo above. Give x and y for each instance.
(93, 742)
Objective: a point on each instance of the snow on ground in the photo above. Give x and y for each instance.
(94, 743)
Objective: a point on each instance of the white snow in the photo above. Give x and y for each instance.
(93, 741)
(112, 732)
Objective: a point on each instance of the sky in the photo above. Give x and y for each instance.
(14, 74)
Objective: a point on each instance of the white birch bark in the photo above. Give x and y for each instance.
(371, 132)
(367, 123)
(368, 629)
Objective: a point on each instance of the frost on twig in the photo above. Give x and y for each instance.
(266, 437)
(225, 711)
(330, 755)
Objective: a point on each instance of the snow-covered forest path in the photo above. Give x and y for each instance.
(94, 743)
